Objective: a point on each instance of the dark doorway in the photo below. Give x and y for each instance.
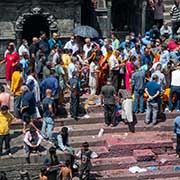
(87, 13)
(123, 15)
(32, 27)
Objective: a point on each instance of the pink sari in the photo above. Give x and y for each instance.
(129, 71)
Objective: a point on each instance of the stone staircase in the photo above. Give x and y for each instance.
(118, 149)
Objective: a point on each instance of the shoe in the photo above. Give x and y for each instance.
(76, 118)
(147, 123)
(106, 125)
(154, 123)
(142, 112)
(113, 125)
(10, 155)
(167, 110)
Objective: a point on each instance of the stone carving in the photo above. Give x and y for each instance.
(36, 11)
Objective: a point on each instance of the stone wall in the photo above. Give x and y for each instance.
(66, 13)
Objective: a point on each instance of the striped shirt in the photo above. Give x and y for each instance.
(175, 13)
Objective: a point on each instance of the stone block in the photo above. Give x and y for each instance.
(7, 30)
(65, 26)
(144, 155)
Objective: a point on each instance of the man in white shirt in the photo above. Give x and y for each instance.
(23, 48)
(71, 44)
(114, 69)
(72, 67)
(107, 43)
(175, 88)
(87, 46)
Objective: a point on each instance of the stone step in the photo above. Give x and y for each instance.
(124, 144)
(126, 162)
(117, 144)
(102, 164)
(144, 155)
(95, 118)
(164, 172)
(19, 157)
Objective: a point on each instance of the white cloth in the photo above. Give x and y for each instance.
(71, 45)
(86, 49)
(36, 88)
(56, 56)
(28, 138)
(127, 110)
(113, 62)
(23, 49)
(175, 81)
(71, 69)
(93, 78)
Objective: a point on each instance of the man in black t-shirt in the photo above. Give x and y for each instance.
(108, 94)
(74, 86)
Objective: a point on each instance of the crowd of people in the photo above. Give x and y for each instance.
(138, 74)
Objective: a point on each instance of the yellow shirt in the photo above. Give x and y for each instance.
(5, 121)
(17, 82)
(66, 60)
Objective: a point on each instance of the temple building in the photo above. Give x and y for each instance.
(25, 19)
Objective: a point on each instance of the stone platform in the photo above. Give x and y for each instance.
(118, 149)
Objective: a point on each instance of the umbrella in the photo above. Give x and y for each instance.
(85, 31)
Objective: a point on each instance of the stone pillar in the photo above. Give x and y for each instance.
(18, 38)
(109, 5)
(143, 24)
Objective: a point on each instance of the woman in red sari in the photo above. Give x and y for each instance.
(129, 71)
(11, 59)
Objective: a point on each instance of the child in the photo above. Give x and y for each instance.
(177, 132)
(43, 174)
(66, 172)
(85, 154)
(5, 121)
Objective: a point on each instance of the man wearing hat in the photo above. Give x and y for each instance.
(108, 94)
(146, 40)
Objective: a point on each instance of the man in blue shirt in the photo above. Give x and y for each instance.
(153, 90)
(54, 41)
(176, 127)
(138, 84)
(52, 83)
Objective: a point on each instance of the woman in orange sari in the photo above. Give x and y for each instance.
(104, 69)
